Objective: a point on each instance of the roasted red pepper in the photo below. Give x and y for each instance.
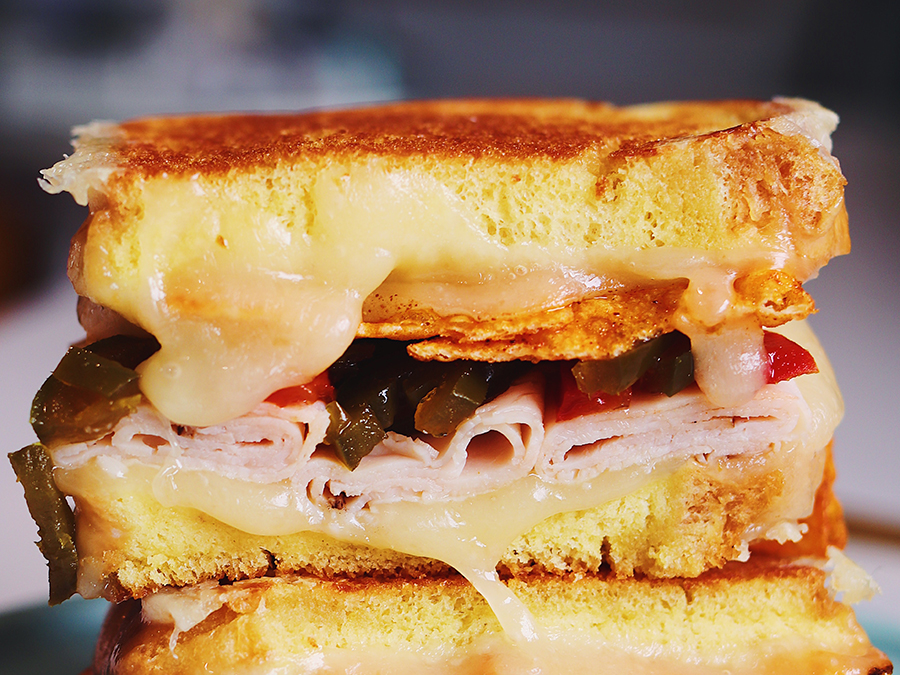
(318, 389)
(787, 359)
(672, 371)
(574, 403)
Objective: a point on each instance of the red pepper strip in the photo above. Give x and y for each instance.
(319, 389)
(787, 359)
(574, 403)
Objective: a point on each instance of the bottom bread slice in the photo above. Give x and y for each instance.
(762, 616)
(679, 525)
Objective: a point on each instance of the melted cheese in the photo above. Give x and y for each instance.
(184, 613)
(256, 280)
(241, 311)
(469, 534)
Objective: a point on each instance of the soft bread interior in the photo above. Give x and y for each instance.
(755, 617)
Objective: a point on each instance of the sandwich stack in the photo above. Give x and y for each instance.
(452, 387)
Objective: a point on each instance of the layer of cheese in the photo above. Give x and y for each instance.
(273, 305)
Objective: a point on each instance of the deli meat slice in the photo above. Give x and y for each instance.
(504, 440)
(264, 446)
(497, 445)
(657, 428)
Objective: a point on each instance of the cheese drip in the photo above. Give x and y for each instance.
(241, 311)
(253, 275)
(470, 535)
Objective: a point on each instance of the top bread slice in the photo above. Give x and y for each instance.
(472, 223)
(708, 176)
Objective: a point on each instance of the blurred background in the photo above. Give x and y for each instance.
(65, 62)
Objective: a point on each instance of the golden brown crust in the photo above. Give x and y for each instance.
(710, 176)
(511, 129)
(778, 617)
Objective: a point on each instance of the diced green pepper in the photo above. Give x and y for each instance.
(86, 370)
(380, 393)
(352, 433)
(350, 362)
(424, 377)
(462, 391)
(661, 365)
(368, 396)
(379, 387)
(53, 516)
(61, 413)
(126, 350)
(674, 370)
(613, 376)
(90, 390)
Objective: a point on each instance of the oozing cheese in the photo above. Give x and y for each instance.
(243, 311)
(253, 272)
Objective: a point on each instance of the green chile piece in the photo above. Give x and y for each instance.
(87, 370)
(353, 433)
(462, 390)
(380, 388)
(613, 376)
(423, 378)
(352, 360)
(54, 518)
(673, 371)
(90, 390)
(126, 350)
(61, 413)
(379, 392)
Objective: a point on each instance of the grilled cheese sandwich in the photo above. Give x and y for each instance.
(531, 343)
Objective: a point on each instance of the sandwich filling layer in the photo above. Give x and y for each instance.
(578, 308)
(461, 501)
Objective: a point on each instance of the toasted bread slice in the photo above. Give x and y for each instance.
(762, 616)
(479, 226)
(739, 179)
(680, 525)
